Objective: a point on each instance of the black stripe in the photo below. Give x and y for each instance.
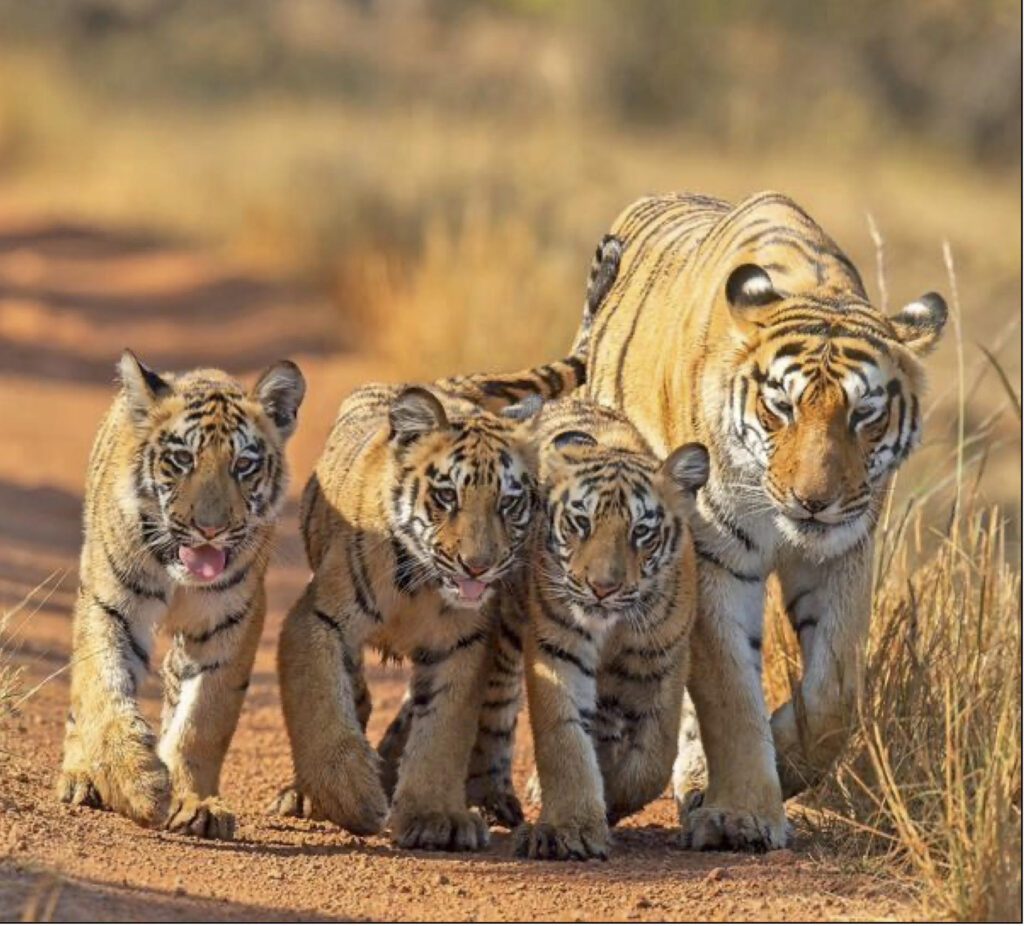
(427, 657)
(510, 635)
(496, 732)
(125, 629)
(556, 652)
(578, 368)
(801, 625)
(655, 675)
(567, 623)
(195, 669)
(124, 578)
(710, 557)
(230, 621)
(224, 584)
(723, 519)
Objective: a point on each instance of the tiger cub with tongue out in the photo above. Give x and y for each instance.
(185, 483)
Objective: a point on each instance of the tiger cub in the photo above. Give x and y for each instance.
(418, 509)
(185, 483)
(609, 602)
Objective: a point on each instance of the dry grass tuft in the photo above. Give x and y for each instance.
(10, 674)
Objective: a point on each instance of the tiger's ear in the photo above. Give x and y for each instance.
(688, 466)
(749, 288)
(414, 413)
(280, 390)
(566, 439)
(526, 408)
(919, 323)
(142, 387)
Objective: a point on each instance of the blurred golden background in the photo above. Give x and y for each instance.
(439, 169)
(398, 189)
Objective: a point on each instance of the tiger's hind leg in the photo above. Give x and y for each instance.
(489, 782)
(392, 745)
(206, 674)
(690, 770)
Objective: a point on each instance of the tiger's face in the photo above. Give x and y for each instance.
(465, 497)
(614, 523)
(825, 404)
(209, 463)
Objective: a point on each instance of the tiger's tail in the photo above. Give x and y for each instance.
(496, 392)
(604, 270)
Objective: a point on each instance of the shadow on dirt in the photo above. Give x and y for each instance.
(48, 895)
(237, 321)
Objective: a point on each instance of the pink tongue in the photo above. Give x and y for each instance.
(205, 562)
(470, 589)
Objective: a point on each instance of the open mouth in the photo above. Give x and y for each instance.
(204, 562)
(470, 589)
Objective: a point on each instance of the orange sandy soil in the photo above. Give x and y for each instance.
(70, 298)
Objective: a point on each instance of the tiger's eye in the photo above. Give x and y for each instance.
(182, 458)
(246, 465)
(580, 525)
(445, 497)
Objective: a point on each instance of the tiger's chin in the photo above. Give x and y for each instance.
(820, 541)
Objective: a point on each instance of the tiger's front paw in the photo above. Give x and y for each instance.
(347, 791)
(291, 802)
(138, 785)
(206, 817)
(718, 828)
(438, 831)
(563, 841)
(76, 788)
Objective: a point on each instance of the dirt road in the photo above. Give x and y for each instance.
(70, 298)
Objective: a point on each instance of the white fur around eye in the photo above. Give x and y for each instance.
(866, 413)
(779, 404)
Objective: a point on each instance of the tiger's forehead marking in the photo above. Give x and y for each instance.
(213, 414)
(807, 368)
(612, 484)
(481, 455)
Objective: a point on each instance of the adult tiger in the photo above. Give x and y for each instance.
(745, 327)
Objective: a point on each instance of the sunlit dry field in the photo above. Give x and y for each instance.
(414, 220)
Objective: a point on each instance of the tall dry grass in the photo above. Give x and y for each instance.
(929, 785)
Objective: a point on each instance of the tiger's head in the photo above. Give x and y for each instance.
(464, 499)
(209, 468)
(615, 517)
(824, 402)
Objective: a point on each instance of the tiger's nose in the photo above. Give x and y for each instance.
(475, 565)
(812, 505)
(602, 588)
(209, 529)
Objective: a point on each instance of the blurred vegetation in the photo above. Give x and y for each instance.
(443, 168)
